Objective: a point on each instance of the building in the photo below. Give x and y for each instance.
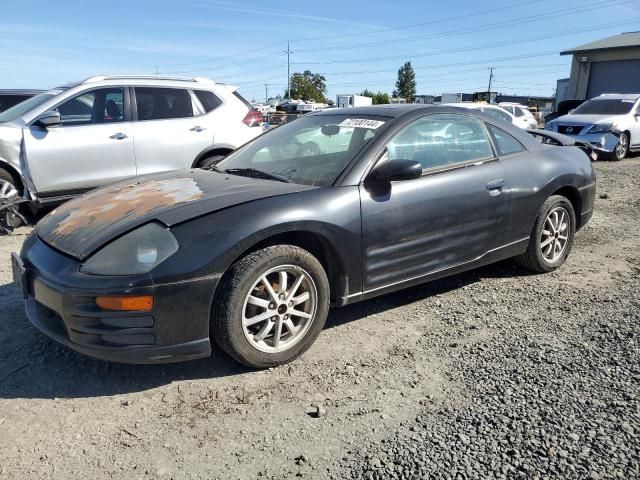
(562, 90)
(610, 65)
(424, 99)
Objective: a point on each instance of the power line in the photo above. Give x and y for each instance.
(479, 28)
(476, 48)
(415, 25)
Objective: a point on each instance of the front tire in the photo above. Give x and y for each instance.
(8, 191)
(272, 306)
(552, 237)
(622, 148)
(210, 161)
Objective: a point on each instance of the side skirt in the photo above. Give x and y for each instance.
(492, 256)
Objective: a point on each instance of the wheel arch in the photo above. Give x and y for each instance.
(210, 151)
(315, 243)
(573, 195)
(15, 174)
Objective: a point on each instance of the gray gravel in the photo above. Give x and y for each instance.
(552, 387)
(489, 374)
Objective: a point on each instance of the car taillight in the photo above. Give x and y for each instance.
(253, 118)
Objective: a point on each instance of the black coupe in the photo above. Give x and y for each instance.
(333, 208)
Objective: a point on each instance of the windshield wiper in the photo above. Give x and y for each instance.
(254, 173)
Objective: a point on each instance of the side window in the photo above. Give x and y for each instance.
(494, 112)
(208, 100)
(440, 140)
(105, 105)
(162, 103)
(518, 112)
(506, 144)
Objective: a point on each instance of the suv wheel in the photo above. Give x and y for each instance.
(209, 162)
(9, 220)
(272, 306)
(622, 148)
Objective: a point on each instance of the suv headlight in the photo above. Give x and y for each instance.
(601, 128)
(137, 252)
(549, 126)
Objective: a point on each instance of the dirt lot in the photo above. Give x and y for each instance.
(490, 374)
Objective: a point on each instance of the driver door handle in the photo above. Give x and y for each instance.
(495, 187)
(197, 128)
(118, 136)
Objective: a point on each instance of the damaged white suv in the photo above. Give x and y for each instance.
(74, 138)
(609, 122)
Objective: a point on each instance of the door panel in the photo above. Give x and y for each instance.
(167, 135)
(432, 223)
(453, 214)
(93, 145)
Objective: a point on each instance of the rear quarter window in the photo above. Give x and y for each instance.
(505, 143)
(208, 100)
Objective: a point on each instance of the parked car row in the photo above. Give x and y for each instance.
(79, 136)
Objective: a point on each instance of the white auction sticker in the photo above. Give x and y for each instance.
(361, 123)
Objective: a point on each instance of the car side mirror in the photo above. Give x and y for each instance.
(396, 170)
(47, 119)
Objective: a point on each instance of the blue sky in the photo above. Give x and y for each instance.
(355, 44)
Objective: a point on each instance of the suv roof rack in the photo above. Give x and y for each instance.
(100, 78)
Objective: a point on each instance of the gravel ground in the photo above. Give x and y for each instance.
(489, 374)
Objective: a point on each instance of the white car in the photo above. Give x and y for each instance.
(522, 114)
(76, 137)
(609, 122)
(494, 111)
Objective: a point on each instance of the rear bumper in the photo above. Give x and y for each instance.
(60, 302)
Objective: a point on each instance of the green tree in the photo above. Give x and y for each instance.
(308, 86)
(406, 83)
(379, 98)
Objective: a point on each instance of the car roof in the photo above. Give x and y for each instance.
(617, 96)
(153, 80)
(395, 111)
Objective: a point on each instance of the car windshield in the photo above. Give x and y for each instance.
(605, 107)
(313, 150)
(23, 107)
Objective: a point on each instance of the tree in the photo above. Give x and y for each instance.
(308, 86)
(379, 98)
(406, 83)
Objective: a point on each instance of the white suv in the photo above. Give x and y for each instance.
(523, 116)
(68, 140)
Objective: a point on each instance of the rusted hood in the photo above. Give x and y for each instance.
(82, 226)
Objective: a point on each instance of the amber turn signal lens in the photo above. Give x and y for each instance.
(125, 303)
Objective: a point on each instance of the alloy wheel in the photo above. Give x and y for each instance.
(555, 234)
(279, 308)
(8, 217)
(622, 147)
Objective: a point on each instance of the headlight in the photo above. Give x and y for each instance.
(549, 126)
(137, 252)
(601, 128)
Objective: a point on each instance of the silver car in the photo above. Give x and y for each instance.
(68, 140)
(609, 122)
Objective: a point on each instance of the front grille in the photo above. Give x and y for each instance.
(570, 129)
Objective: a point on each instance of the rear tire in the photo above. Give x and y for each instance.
(8, 189)
(210, 161)
(271, 306)
(552, 236)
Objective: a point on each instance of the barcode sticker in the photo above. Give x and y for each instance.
(361, 123)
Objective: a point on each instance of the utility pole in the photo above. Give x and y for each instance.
(289, 71)
(266, 92)
(157, 71)
(490, 81)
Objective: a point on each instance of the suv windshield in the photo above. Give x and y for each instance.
(23, 107)
(313, 150)
(605, 107)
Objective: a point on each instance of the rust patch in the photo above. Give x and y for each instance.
(103, 207)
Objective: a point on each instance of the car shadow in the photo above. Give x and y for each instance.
(32, 366)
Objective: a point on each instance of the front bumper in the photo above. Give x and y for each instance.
(601, 142)
(60, 302)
